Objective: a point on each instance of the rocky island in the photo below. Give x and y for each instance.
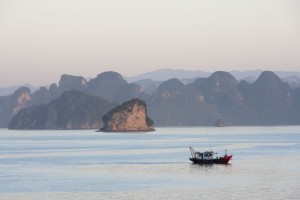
(130, 116)
(199, 102)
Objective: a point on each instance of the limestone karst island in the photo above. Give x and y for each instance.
(130, 116)
(217, 100)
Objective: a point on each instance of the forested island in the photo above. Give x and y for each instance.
(76, 103)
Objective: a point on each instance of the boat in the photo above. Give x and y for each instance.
(208, 157)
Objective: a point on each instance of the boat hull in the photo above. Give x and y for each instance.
(221, 160)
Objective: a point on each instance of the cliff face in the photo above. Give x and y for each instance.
(20, 99)
(11, 105)
(130, 116)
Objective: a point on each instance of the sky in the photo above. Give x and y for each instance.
(42, 39)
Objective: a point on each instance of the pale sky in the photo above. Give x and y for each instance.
(42, 39)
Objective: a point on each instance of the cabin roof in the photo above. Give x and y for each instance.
(205, 153)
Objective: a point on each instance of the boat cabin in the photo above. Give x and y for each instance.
(207, 155)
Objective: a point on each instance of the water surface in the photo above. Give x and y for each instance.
(91, 165)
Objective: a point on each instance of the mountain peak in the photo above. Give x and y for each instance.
(268, 76)
(110, 75)
(70, 82)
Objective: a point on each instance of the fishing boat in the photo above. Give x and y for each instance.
(208, 157)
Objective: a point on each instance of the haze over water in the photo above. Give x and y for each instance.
(90, 165)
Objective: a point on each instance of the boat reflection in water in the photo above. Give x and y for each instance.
(207, 157)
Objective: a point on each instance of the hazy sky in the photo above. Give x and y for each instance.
(42, 39)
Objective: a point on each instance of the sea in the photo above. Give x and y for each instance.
(85, 164)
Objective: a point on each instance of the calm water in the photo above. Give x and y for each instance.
(90, 165)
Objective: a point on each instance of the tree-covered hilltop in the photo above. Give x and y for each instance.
(72, 110)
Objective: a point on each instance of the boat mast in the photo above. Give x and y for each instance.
(192, 152)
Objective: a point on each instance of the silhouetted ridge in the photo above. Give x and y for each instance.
(266, 101)
(269, 98)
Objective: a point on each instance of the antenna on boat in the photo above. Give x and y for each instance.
(192, 151)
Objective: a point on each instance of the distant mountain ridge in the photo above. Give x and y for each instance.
(150, 81)
(200, 102)
(186, 76)
(267, 101)
(166, 74)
